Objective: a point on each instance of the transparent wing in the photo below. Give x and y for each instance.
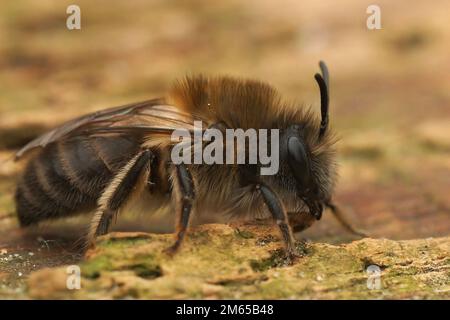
(146, 117)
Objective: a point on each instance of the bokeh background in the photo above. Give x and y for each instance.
(390, 97)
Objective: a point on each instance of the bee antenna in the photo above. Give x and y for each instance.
(323, 82)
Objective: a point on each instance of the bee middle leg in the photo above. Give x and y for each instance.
(184, 193)
(116, 194)
(280, 216)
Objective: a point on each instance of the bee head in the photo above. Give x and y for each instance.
(309, 155)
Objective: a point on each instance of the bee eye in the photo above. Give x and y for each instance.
(298, 160)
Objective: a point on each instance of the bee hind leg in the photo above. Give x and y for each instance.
(116, 194)
(184, 194)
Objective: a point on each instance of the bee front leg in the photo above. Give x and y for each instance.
(280, 216)
(116, 194)
(184, 195)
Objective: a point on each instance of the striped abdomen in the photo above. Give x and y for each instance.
(68, 177)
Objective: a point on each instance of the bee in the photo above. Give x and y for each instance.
(97, 162)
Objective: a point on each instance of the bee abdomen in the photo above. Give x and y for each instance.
(68, 177)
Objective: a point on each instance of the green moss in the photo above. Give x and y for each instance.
(122, 243)
(115, 259)
(229, 267)
(243, 234)
(263, 241)
(276, 259)
(146, 271)
(303, 249)
(92, 269)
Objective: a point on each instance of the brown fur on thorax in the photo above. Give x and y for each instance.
(244, 103)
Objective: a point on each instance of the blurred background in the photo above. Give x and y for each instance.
(390, 97)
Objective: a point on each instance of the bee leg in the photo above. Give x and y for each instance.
(280, 216)
(185, 195)
(343, 220)
(116, 193)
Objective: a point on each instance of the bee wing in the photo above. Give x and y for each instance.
(146, 117)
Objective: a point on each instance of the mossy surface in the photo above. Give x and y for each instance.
(216, 261)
